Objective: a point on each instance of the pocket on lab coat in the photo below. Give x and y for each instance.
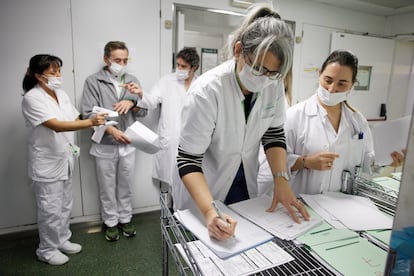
(356, 151)
(50, 166)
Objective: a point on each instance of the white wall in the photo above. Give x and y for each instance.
(76, 30)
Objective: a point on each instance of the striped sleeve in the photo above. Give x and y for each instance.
(188, 162)
(274, 137)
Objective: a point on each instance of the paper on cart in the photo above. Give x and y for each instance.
(143, 138)
(98, 109)
(100, 131)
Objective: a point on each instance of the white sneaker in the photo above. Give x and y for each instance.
(70, 248)
(58, 259)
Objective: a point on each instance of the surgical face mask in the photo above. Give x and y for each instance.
(117, 69)
(53, 83)
(253, 83)
(181, 74)
(331, 99)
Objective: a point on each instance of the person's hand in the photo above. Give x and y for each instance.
(123, 106)
(118, 135)
(398, 158)
(217, 228)
(284, 194)
(133, 88)
(99, 119)
(321, 161)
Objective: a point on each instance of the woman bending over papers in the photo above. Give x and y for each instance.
(228, 112)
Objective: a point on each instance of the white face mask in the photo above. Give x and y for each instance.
(53, 83)
(181, 74)
(331, 99)
(117, 69)
(253, 83)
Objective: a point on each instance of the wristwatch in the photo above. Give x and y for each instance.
(281, 174)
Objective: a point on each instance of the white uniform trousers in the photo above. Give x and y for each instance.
(115, 178)
(54, 206)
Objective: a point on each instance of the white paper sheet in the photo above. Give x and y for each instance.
(355, 212)
(390, 136)
(249, 262)
(278, 222)
(98, 109)
(143, 138)
(247, 234)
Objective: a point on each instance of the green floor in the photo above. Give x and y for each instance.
(140, 255)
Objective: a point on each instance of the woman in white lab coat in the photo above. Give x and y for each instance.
(229, 111)
(325, 135)
(51, 118)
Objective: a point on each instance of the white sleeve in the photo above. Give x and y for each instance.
(35, 111)
(198, 122)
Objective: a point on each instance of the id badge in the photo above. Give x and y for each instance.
(75, 150)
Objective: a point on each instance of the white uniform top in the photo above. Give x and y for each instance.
(309, 131)
(50, 158)
(170, 93)
(213, 124)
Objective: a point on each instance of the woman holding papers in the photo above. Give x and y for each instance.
(325, 135)
(52, 119)
(229, 111)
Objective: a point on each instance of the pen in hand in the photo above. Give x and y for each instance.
(220, 214)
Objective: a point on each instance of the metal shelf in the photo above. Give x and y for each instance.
(173, 232)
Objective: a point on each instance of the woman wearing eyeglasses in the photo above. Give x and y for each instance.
(229, 111)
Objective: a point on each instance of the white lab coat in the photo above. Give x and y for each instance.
(50, 158)
(50, 167)
(213, 124)
(170, 93)
(308, 131)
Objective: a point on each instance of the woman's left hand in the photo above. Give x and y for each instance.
(283, 194)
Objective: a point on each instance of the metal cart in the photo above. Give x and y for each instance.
(385, 200)
(173, 232)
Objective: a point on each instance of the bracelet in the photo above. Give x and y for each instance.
(303, 162)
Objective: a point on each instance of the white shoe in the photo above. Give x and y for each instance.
(58, 259)
(70, 248)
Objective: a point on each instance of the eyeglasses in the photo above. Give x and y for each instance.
(261, 70)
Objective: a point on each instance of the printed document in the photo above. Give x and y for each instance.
(249, 262)
(278, 222)
(247, 234)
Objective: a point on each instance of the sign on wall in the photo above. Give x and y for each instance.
(209, 59)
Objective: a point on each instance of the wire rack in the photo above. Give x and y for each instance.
(173, 232)
(386, 200)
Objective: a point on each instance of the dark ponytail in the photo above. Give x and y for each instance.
(37, 65)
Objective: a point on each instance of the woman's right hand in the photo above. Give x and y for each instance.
(321, 161)
(99, 119)
(219, 229)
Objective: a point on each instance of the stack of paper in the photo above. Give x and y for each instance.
(278, 222)
(247, 234)
(348, 211)
(249, 262)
